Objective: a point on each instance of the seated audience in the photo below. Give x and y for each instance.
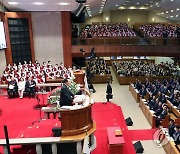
(171, 127)
(12, 88)
(161, 116)
(107, 30)
(176, 135)
(21, 87)
(30, 87)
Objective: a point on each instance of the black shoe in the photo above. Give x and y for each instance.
(94, 91)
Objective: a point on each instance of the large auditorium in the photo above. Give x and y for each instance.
(89, 76)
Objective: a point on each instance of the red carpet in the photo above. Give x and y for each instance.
(109, 115)
(142, 134)
(19, 114)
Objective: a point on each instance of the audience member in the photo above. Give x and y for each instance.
(30, 87)
(21, 87)
(12, 88)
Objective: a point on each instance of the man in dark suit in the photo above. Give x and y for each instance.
(109, 91)
(30, 87)
(176, 135)
(171, 127)
(161, 116)
(66, 96)
(12, 88)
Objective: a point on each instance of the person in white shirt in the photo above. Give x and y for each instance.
(21, 87)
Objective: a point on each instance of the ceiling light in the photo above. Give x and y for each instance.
(13, 3)
(156, 3)
(172, 0)
(137, 3)
(177, 15)
(132, 8)
(151, 6)
(63, 3)
(116, 5)
(121, 7)
(38, 3)
(172, 10)
(166, 11)
(177, 9)
(162, 12)
(171, 16)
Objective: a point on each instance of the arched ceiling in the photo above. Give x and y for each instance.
(166, 8)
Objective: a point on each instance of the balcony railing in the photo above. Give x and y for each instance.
(126, 41)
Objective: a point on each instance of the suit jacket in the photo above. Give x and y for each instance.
(163, 114)
(30, 84)
(109, 89)
(66, 96)
(171, 130)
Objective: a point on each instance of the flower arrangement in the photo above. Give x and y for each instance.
(73, 86)
(54, 96)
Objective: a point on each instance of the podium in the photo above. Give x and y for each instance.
(76, 121)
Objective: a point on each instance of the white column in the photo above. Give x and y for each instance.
(38, 149)
(54, 148)
(5, 149)
(79, 147)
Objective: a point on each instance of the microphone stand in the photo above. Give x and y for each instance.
(38, 107)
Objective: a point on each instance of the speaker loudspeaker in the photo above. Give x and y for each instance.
(138, 147)
(80, 9)
(129, 121)
(56, 131)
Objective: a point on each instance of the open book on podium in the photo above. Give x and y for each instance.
(118, 132)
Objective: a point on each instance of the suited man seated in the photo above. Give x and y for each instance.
(176, 135)
(12, 88)
(161, 116)
(30, 87)
(66, 96)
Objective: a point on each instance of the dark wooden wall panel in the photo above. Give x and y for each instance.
(8, 49)
(66, 37)
(129, 50)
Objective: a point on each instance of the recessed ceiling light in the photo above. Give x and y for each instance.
(116, 5)
(121, 7)
(172, 10)
(137, 3)
(151, 6)
(177, 15)
(172, 0)
(171, 16)
(167, 12)
(162, 12)
(13, 3)
(132, 8)
(177, 9)
(38, 3)
(63, 3)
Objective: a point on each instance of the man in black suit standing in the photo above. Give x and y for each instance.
(109, 91)
(66, 96)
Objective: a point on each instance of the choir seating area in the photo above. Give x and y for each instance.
(153, 32)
